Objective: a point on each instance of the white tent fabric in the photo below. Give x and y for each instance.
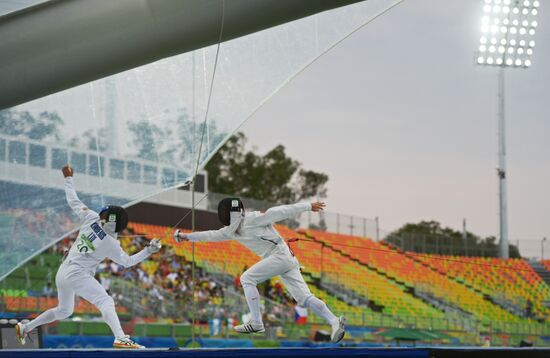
(139, 132)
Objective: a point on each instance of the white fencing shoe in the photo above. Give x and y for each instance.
(338, 330)
(127, 343)
(250, 327)
(21, 333)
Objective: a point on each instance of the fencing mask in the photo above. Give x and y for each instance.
(116, 219)
(226, 206)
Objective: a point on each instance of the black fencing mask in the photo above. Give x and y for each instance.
(226, 206)
(116, 218)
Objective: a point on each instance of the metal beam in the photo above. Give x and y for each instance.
(65, 43)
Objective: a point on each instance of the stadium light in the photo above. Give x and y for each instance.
(508, 28)
(507, 40)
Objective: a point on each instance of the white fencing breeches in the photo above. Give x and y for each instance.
(280, 263)
(73, 280)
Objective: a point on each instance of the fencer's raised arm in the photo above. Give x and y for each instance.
(72, 198)
(81, 210)
(279, 213)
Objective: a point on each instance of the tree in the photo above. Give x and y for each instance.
(95, 140)
(273, 177)
(22, 123)
(189, 134)
(431, 237)
(175, 139)
(311, 184)
(147, 138)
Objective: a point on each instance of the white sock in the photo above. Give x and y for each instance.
(110, 317)
(253, 299)
(44, 318)
(320, 308)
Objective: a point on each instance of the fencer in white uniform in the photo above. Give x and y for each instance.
(255, 230)
(96, 240)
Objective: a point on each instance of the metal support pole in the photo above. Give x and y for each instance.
(192, 188)
(501, 171)
(541, 248)
(377, 228)
(110, 117)
(424, 240)
(322, 268)
(465, 236)
(193, 263)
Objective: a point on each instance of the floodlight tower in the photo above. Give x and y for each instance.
(507, 41)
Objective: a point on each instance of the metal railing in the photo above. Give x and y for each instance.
(324, 221)
(53, 156)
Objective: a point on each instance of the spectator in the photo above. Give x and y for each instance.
(529, 309)
(48, 289)
(105, 281)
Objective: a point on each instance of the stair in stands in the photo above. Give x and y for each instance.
(540, 270)
(342, 293)
(543, 273)
(505, 305)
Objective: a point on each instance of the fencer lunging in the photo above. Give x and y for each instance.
(96, 240)
(256, 231)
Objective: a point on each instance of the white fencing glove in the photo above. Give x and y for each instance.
(179, 236)
(154, 246)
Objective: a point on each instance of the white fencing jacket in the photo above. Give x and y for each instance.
(93, 244)
(254, 230)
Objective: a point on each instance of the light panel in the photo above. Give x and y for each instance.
(507, 28)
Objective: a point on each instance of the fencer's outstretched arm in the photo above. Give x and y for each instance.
(118, 255)
(225, 233)
(81, 210)
(222, 234)
(283, 212)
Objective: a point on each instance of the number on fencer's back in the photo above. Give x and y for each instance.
(90, 238)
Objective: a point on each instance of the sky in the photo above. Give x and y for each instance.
(405, 124)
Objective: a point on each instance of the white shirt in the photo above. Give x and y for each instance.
(93, 244)
(255, 230)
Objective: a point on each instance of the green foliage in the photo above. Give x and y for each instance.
(431, 237)
(23, 123)
(95, 139)
(176, 139)
(273, 177)
(189, 134)
(312, 184)
(146, 135)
